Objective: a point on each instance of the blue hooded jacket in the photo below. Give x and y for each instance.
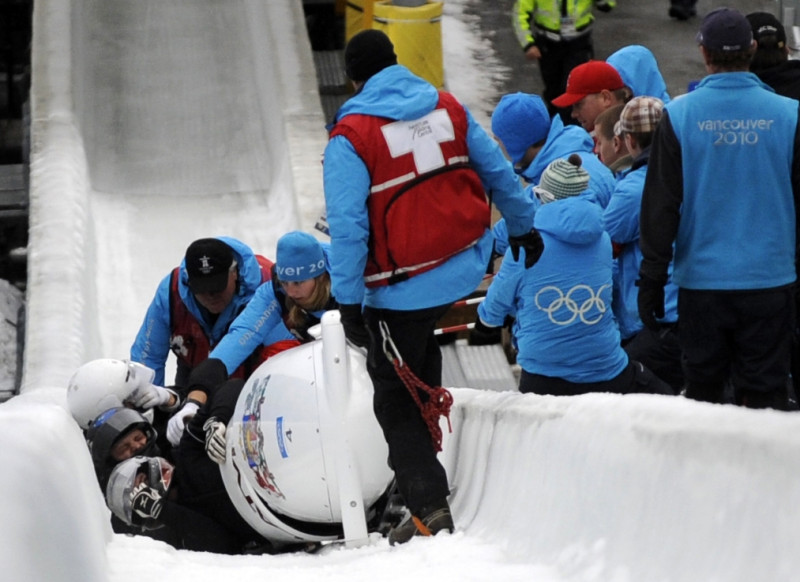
(564, 326)
(151, 346)
(639, 70)
(561, 142)
(622, 224)
(260, 324)
(396, 93)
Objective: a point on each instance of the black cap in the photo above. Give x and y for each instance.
(725, 30)
(367, 53)
(208, 261)
(766, 26)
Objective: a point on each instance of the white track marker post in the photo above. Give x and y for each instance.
(337, 388)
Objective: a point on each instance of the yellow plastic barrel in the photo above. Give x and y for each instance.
(354, 17)
(415, 32)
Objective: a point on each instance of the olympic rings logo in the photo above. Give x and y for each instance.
(574, 307)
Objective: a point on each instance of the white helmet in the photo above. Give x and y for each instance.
(102, 384)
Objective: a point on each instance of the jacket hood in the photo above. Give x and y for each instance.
(639, 70)
(571, 220)
(561, 142)
(394, 93)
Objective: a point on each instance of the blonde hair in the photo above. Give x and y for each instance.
(298, 316)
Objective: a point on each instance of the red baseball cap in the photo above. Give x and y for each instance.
(590, 77)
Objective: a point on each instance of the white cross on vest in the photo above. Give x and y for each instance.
(421, 137)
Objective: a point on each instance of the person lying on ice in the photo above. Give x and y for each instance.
(185, 503)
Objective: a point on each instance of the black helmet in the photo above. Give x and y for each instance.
(111, 426)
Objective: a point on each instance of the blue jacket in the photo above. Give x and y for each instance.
(564, 326)
(622, 224)
(260, 324)
(151, 346)
(571, 139)
(396, 93)
(561, 142)
(639, 70)
(722, 182)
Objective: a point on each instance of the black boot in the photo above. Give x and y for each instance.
(435, 518)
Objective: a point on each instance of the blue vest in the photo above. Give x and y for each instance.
(737, 226)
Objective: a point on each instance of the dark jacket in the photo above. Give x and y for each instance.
(783, 78)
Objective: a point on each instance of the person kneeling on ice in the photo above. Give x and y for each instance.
(296, 297)
(567, 338)
(195, 304)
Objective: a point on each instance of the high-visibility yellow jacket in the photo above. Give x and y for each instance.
(546, 17)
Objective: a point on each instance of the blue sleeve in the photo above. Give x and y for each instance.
(499, 179)
(151, 346)
(347, 183)
(259, 323)
(500, 232)
(601, 179)
(501, 297)
(500, 228)
(621, 216)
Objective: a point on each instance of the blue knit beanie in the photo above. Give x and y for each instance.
(299, 257)
(519, 121)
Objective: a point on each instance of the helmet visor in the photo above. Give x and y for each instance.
(154, 471)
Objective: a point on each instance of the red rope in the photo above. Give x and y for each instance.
(439, 402)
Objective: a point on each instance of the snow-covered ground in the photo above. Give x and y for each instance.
(159, 121)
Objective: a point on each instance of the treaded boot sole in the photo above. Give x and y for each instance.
(433, 523)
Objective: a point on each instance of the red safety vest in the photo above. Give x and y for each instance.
(189, 342)
(426, 203)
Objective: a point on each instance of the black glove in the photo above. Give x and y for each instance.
(650, 302)
(484, 335)
(532, 243)
(603, 7)
(355, 330)
(146, 502)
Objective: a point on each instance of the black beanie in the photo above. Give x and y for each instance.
(367, 53)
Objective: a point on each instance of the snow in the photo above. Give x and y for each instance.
(597, 488)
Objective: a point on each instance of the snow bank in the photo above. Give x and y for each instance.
(598, 487)
(54, 521)
(640, 487)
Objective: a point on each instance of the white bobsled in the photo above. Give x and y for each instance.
(302, 430)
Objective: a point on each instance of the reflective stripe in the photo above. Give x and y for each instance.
(393, 182)
(411, 175)
(400, 270)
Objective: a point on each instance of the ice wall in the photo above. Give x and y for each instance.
(155, 123)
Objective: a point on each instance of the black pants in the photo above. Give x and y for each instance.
(558, 59)
(634, 378)
(741, 337)
(421, 478)
(660, 352)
